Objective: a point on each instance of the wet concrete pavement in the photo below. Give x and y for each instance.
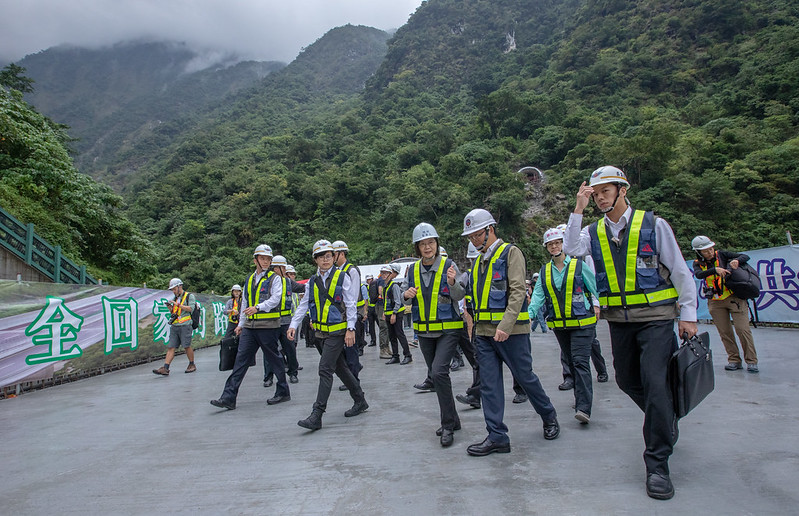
(130, 442)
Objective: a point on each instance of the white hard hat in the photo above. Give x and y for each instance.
(552, 234)
(442, 251)
(472, 252)
(279, 261)
(236, 287)
(340, 245)
(386, 268)
(561, 227)
(369, 276)
(322, 246)
(535, 275)
(262, 250)
(476, 220)
(702, 242)
(174, 282)
(424, 230)
(395, 268)
(290, 268)
(608, 174)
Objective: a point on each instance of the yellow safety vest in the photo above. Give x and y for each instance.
(482, 286)
(275, 313)
(322, 317)
(562, 299)
(426, 314)
(178, 311)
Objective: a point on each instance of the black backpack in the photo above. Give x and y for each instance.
(195, 316)
(744, 282)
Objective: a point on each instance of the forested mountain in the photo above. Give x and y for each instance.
(696, 100)
(114, 96)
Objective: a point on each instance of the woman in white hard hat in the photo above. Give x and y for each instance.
(393, 312)
(712, 268)
(434, 294)
(232, 309)
(563, 286)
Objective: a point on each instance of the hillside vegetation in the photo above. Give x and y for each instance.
(696, 100)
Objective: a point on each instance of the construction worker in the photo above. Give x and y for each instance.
(643, 284)
(434, 294)
(181, 308)
(259, 327)
(351, 354)
(562, 289)
(289, 288)
(371, 314)
(379, 287)
(393, 312)
(232, 309)
(502, 331)
(330, 298)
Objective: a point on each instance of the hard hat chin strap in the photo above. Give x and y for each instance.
(485, 240)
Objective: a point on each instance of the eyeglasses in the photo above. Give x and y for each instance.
(427, 244)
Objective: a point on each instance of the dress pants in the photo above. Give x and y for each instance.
(332, 361)
(396, 334)
(249, 342)
(721, 310)
(641, 353)
(438, 354)
(470, 353)
(515, 353)
(290, 352)
(576, 345)
(371, 316)
(383, 325)
(596, 358)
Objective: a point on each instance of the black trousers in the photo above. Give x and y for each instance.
(596, 358)
(289, 353)
(249, 342)
(371, 317)
(576, 345)
(437, 354)
(396, 334)
(641, 353)
(333, 361)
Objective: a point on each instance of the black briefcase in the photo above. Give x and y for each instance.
(228, 349)
(691, 373)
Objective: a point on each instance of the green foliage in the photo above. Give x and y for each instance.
(11, 77)
(38, 184)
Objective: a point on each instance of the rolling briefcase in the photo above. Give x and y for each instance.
(691, 373)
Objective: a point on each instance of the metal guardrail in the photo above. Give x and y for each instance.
(22, 240)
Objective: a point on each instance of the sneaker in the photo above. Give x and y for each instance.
(191, 368)
(162, 371)
(582, 417)
(752, 368)
(269, 382)
(520, 398)
(293, 378)
(415, 343)
(733, 366)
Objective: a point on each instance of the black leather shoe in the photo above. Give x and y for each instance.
(406, 360)
(520, 398)
(342, 387)
(277, 399)
(447, 438)
(486, 447)
(293, 378)
(394, 360)
(567, 385)
(223, 404)
(454, 365)
(468, 399)
(440, 430)
(371, 345)
(602, 377)
(659, 486)
(551, 429)
(357, 408)
(424, 386)
(268, 383)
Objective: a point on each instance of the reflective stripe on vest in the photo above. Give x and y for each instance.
(564, 318)
(482, 312)
(361, 301)
(321, 315)
(178, 311)
(429, 319)
(274, 314)
(285, 299)
(715, 282)
(388, 297)
(630, 296)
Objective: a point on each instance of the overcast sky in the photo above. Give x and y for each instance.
(255, 29)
